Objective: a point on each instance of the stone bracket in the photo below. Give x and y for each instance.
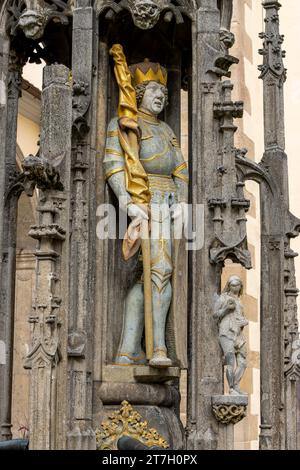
(229, 409)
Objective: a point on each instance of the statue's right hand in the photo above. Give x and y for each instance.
(139, 212)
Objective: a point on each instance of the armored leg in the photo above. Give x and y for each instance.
(161, 272)
(130, 350)
(161, 303)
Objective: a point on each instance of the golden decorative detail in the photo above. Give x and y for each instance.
(127, 422)
(112, 172)
(148, 71)
(159, 175)
(112, 134)
(183, 178)
(150, 118)
(175, 142)
(127, 97)
(162, 188)
(177, 172)
(113, 152)
(157, 155)
(180, 167)
(133, 358)
(147, 137)
(167, 187)
(229, 414)
(135, 176)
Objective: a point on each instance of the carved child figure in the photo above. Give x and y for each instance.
(231, 321)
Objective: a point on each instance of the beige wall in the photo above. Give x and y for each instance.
(32, 73)
(247, 24)
(27, 135)
(290, 21)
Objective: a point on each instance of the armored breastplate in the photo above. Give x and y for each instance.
(158, 146)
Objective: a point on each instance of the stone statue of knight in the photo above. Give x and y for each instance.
(167, 173)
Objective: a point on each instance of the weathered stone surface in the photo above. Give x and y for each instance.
(239, 400)
(81, 263)
(116, 392)
(76, 275)
(49, 324)
(146, 374)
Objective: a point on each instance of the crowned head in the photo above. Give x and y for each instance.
(150, 82)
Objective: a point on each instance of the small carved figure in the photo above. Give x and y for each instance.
(228, 312)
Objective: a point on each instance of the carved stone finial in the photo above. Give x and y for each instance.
(272, 42)
(127, 422)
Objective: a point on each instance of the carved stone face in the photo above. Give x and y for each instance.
(32, 24)
(235, 287)
(154, 98)
(145, 13)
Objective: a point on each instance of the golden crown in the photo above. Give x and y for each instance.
(148, 71)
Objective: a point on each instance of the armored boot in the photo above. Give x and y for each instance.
(161, 303)
(130, 349)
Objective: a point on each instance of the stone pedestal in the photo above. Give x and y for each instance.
(143, 374)
(149, 391)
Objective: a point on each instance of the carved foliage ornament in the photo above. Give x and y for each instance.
(229, 414)
(146, 13)
(127, 422)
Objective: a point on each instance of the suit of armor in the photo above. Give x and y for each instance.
(167, 174)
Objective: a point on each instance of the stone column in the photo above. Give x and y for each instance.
(83, 223)
(279, 328)
(47, 357)
(4, 55)
(214, 185)
(205, 367)
(292, 351)
(11, 90)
